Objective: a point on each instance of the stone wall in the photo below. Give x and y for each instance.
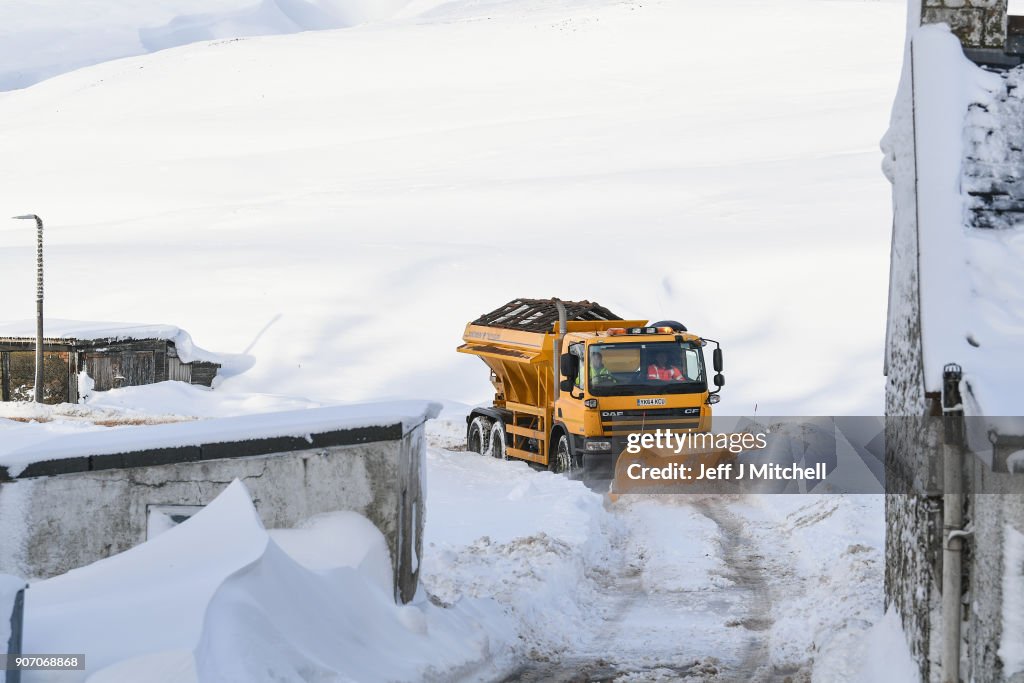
(993, 173)
(978, 23)
(993, 500)
(911, 508)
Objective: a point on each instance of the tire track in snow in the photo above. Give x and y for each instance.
(719, 634)
(748, 571)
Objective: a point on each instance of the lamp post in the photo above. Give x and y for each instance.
(39, 303)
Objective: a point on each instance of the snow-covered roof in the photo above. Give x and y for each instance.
(39, 445)
(87, 331)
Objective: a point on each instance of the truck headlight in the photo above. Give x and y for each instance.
(590, 403)
(598, 446)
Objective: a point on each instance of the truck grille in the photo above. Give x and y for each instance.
(616, 422)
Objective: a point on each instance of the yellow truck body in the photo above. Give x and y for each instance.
(554, 405)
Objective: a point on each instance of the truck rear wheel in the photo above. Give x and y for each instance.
(497, 442)
(478, 435)
(562, 460)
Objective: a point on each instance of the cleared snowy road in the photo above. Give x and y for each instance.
(653, 588)
(716, 632)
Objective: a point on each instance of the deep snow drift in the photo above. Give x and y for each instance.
(218, 599)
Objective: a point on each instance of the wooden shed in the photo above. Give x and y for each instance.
(113, 355)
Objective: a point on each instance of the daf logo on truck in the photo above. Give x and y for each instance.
(569, 376)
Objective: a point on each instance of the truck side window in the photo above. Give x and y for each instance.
(577, 350)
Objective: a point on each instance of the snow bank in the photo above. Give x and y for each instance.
(824, 555)
(531, 541)
(274, 620)
(1011, 647)
(151, 598)
(884, 653)
(217, 598)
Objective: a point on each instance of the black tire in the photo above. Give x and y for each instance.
(478, 435)
(497, 442)
(562, 459)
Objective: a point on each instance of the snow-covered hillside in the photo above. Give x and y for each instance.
(41, 39)
(340, 203)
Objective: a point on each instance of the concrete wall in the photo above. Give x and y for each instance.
(978, 23)
(68, 519)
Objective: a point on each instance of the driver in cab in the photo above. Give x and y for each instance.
(599, 372)
(661, 370)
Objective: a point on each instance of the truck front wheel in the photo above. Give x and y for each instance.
(562, 460)
(477, 438)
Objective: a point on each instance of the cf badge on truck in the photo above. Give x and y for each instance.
(650, 401)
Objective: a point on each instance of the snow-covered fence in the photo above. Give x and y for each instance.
(78, 498)
(12, 602)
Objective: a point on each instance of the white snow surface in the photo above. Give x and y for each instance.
(43, 38)
(1011, 646)
(340, 203)
(650, 579)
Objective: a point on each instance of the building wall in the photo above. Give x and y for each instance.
(993, 500)
(67, 520)
(993, 174)
(911, 508)
(135, 362)
(978, 23)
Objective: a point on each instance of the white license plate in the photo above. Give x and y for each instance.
(650, 401)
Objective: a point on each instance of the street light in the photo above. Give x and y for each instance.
(39, 302)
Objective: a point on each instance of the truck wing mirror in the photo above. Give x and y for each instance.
(719, 380)
(567, 385)
(569, 366)
(717, 359)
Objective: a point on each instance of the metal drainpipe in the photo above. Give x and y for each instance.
(557, 344)
(952, 522)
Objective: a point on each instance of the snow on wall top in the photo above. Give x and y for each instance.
(971, 280)
(16, 455)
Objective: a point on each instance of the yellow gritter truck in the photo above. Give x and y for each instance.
(572, 380)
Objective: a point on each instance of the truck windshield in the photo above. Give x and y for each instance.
(646, 368)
